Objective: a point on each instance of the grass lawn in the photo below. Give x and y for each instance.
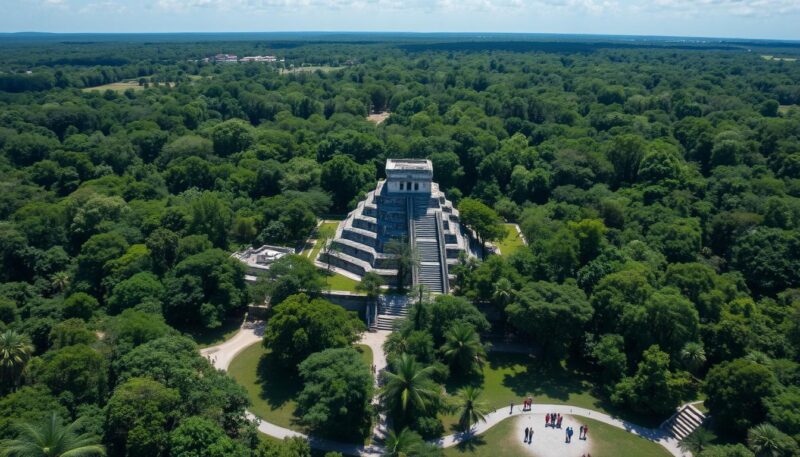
(205, 337)
(511, 377)
(366, 353)
(273, 394)
(511, 242)
(121, 86)
(608, 441)
(325, 230)
(270, 390)
(496, 442)
(337, 281)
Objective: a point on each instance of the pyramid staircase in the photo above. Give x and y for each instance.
(426, 242)
(684, 422)
(391, 309)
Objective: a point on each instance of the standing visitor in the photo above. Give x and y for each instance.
(527, 431)
(585, 431)
(511, 409)
(547, 420)
(580, 432)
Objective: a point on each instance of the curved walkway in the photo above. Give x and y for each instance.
(251, 333)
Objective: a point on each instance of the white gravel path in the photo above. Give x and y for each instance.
(548, 441)
(538, 412)
(222, 354)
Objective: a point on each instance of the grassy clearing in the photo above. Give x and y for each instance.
(269, 388)
(366, 353)
(205, 337)
(121, 86)
(608, 441)
(340, 282)
(512, 242)
(325, 230)
(378, 118)
(271, 391)
(496, 442)
(511, 377)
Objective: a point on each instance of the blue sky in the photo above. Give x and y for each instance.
(778, 19)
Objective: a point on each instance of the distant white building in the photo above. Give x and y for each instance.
(259, 59)
(226, 58)
(258, 260)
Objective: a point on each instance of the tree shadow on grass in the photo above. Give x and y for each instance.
(205, 337)
(455, 381)
(541, 378)
(471, 444)
(278, 385)
(559, 381)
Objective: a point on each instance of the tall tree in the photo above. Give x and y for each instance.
(471, 409)
(463, 349)
(337, 389)
(50, 438)
(409, 391)
(552, 314)
(765, 440)
(300, 326)
(482, 219)
(405, 258)
(15, 352)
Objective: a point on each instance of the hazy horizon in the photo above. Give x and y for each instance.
(734, 19)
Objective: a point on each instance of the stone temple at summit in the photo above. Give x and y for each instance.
(409, 207)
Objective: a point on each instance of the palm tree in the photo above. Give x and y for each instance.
(403, 444)
(697, 441)
(405, 259)
(765, 440)
(471, 409)
(60, 281)
(409, 389)
(418, 315)
(463, 348)
(693, 356)
(51, 439)
(420, 293)
(503, 292)
(15, 351)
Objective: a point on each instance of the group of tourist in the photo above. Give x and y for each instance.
(527, 404)
(552, 420)
(581, 433)
(528, 435)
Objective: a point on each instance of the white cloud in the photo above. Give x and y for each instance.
(726, 7)
(666, 8)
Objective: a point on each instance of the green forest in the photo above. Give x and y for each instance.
(658, 187)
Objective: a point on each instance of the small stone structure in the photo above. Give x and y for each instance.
(258, 260)
(406, 206)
